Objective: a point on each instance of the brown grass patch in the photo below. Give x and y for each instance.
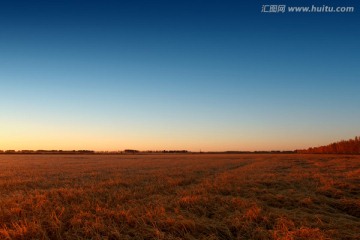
(190, 196)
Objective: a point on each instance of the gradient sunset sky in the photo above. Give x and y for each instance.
(209, 75)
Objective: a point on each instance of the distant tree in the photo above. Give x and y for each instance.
(351, 146)
(10, 151)
(131, 151)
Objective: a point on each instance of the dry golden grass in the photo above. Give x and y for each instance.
(179, 197)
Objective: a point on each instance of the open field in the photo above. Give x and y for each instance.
(187, 196)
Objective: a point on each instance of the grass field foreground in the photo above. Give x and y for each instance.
(180, 196)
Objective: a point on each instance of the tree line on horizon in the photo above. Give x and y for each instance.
(126, 151)
(351, 146)
(47, 151)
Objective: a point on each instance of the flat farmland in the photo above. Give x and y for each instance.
(180, 196)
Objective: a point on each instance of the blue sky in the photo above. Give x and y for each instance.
(209, 75)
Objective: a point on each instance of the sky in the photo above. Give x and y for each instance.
(195, 75)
